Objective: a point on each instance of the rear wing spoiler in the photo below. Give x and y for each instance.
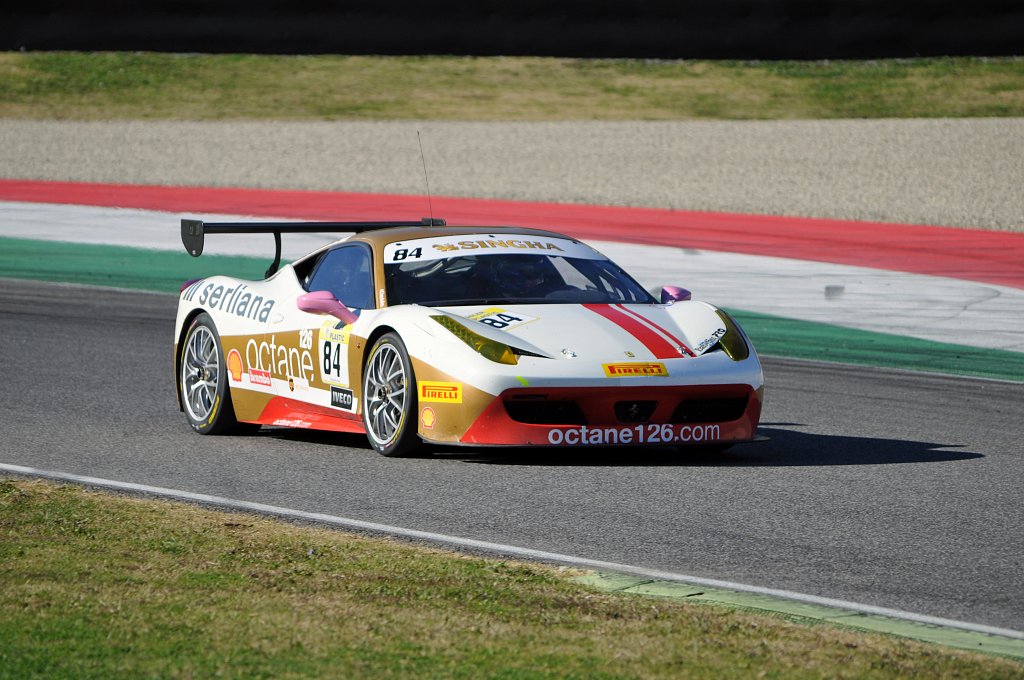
(193, 232)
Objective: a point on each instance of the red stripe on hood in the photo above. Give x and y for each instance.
(644, 320)
(658, 346)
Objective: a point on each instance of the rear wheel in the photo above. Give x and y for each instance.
(203, 379)
(389, 398)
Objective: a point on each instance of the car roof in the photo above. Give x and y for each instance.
(378, 238)
(381, 237)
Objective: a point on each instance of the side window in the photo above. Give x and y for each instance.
(304, 268)
(345, 271)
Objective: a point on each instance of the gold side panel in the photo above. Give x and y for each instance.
(446, 406)
(254, 361)
(356, 348)
(249, 405)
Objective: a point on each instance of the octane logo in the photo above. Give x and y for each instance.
(283, 360)
(634, 435)
(635, 369)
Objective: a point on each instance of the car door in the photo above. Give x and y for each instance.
(347, 273)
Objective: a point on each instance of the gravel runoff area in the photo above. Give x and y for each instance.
(955, 172)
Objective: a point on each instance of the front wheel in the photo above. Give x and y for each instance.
(389, 398)
(203, 380)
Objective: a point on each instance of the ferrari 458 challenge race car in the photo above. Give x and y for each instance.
(415, 332)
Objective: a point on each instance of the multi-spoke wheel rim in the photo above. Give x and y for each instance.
(384, 390)
(200, 373)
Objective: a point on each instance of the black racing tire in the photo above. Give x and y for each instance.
(203, 380)
(390, 399)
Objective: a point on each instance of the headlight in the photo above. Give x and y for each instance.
(732, 343)
(489, 349)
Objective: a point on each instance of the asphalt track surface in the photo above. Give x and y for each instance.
(892, 489)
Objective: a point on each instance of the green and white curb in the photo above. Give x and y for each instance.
(790, 308)
(935, 308)
(925, 629)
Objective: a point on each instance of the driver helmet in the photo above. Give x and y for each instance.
(526, 274)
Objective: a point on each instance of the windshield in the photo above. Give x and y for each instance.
(569, 272)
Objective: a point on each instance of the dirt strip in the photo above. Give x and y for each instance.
(953, 172)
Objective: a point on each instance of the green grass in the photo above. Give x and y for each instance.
(105, 86)
(100, 586)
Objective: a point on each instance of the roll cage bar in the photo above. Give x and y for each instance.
(193, 232)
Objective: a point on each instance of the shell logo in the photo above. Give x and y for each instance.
(235, 365)
(428, 418)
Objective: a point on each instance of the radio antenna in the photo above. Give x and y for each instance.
(426, 181)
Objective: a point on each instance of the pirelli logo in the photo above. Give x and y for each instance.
(440, 392)
(635, 369)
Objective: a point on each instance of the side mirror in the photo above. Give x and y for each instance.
(324, 302)
(674, 294)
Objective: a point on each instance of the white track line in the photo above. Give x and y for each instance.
(505, 550)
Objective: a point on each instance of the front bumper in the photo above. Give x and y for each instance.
(618, 416)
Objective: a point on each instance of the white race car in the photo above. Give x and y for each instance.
(414, 332)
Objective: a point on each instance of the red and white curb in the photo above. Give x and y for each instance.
(942, 309)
